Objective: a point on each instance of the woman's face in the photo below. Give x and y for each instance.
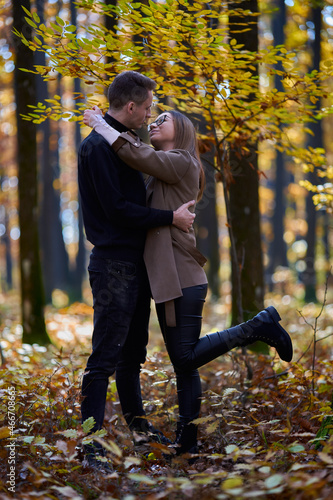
(162, 132)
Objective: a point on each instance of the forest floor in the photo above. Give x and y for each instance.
(267, 437)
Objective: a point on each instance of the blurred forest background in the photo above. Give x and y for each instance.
(296, 233)
(256, 77)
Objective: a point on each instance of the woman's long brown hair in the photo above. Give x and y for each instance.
(186, 138)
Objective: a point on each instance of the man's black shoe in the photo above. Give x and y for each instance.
(144, 431)
(95, 457)
(144, 435)
(157, 436)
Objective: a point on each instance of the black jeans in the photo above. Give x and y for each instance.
(121, 301)
(187, 351)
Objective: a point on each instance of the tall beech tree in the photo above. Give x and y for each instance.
(32, 294)
(315, 140)
(247, 269)
(54, 257)
(77, 274)
(278, 248)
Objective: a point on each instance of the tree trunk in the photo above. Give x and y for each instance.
(32, 294)
(9, 260)
(244, 203)
(207, 225)
(110, 21)
(61, 277)
(314, 141)
(78, 273)
(278, 249)
(54, 256)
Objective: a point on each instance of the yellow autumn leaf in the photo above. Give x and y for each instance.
(233, 482)
(212, 427)
(4, 432)
(224, 93)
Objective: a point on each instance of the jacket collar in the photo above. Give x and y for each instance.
(115, 124)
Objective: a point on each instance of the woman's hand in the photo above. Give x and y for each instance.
(89, 115)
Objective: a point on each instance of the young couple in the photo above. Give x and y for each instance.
(144, 247)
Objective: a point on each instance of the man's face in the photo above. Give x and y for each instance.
(140, 113)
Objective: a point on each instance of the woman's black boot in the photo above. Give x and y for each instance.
(266, 328)
(186, 438)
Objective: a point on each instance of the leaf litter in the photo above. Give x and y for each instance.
(268, 437)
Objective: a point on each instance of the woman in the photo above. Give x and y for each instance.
(174, 265)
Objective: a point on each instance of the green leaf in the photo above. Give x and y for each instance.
(296, 448)
(39, 440)
(233, 482)
(142, 479)
(28, 439)
(273, 481)
(70, 433)
(56, 27)
(146, 11)
(36, 17)
(88, 424)
(231, 448)
(25, 70)
(60, 21)
(26, 11)
(70, 28)
(265, 469)
(31, 22)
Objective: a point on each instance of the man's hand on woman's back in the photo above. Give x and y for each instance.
(183, 218)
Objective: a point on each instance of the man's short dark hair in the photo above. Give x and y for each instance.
(129, 86)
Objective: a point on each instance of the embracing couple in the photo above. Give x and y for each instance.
(144, 246)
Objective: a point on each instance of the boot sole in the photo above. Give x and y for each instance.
(276, 318)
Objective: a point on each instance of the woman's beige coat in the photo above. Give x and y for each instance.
(171, 257)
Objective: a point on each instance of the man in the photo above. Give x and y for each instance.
(116, 218)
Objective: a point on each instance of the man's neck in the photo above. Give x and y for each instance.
(115, 122)
(119, 116)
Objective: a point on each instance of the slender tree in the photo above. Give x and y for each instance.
(206, 222)
(8, 252)
(278, 249)
(244, 198)
(110, 21)
(6, 148)
(32, 294)
(55, 263)
(315, 140)
(78, 273)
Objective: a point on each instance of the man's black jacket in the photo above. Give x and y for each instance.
(113, 200)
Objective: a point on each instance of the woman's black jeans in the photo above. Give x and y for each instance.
(187, 350)
(121, 296)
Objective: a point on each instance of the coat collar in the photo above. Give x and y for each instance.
(115, 124)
